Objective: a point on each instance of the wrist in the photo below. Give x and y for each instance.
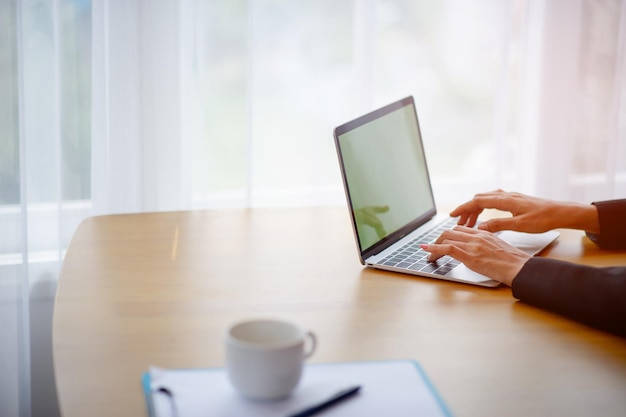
(580, 217)
(587, 218)
(514, 269)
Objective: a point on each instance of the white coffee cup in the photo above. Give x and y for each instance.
(264, 358)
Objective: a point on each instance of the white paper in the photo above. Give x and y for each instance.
(388, 388)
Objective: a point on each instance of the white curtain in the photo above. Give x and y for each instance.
(129, 106)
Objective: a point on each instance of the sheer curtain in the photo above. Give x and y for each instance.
(128, 106)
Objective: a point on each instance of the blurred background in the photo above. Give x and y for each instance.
(135, 105)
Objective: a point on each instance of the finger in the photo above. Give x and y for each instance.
(468, 219)
(467, 209)
(473, 207)
(465, 229)
(496, 200)
(380, 209)
(496, 225)
(453, 250)
(473, 221)
(436, 251)
(499, 201)
(458, 233)
(463, 219)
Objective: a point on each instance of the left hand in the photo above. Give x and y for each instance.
(480, 251)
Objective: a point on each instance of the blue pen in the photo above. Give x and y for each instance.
(338, 397)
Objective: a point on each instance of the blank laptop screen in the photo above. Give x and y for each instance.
(385, 171)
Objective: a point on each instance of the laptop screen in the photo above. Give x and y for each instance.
(385, 173)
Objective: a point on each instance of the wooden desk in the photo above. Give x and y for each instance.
(137, 290)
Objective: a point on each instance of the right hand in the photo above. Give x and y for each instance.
(530, 214)
(480, 251)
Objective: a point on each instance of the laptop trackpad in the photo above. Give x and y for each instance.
(464, 274)
(531, 243)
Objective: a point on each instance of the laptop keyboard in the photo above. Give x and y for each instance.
(411, 256)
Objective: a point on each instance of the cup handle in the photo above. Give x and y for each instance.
(312, 345)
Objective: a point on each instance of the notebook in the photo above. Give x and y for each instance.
(390, 197)
(398, 388)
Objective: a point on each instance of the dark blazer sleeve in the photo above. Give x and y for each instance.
(594, 296)
(612, 216)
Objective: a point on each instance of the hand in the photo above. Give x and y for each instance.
(530, 214)
(480, 251)
(369, 216)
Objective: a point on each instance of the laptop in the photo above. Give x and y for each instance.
(390, 197)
